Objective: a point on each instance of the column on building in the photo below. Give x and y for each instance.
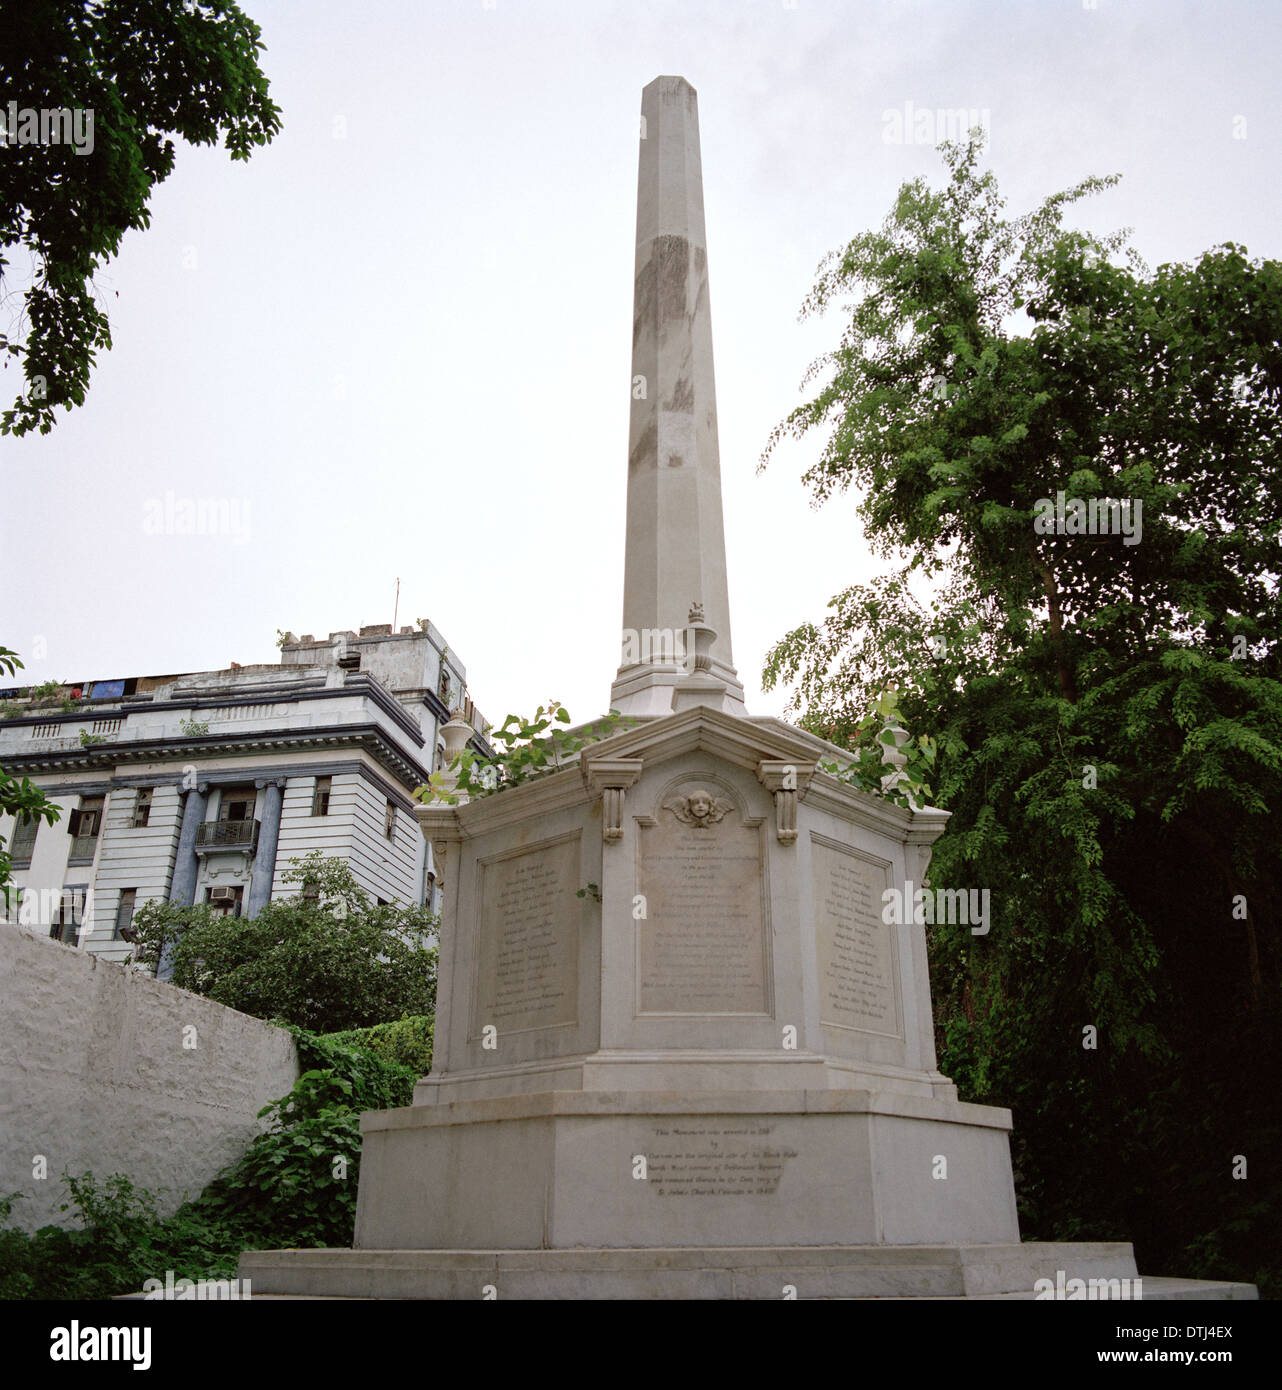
(264, 872)
(182, 886)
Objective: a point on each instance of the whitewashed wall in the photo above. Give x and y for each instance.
(94, 1075)
(389, 869)
(141, 858)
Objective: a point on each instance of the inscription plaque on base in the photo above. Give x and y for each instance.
(702, 945)
(858, 959)
(528, 967)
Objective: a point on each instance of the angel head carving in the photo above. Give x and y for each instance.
(700, 808)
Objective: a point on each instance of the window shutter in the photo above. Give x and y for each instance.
(73, 824)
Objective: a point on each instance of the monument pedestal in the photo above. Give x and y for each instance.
(712, 1075)
(561, 1170)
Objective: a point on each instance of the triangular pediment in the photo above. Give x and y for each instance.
(703, 728)
(762, 745)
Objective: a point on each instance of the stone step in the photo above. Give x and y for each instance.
(1009, 1271)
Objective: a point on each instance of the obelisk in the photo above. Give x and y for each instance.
(675, 556)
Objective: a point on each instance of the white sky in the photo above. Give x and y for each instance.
(406, 352)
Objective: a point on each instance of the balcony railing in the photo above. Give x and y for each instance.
(226, 834)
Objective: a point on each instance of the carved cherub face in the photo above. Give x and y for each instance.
(700, 808)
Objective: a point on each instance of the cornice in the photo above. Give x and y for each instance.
(104, 757)
(358, 686)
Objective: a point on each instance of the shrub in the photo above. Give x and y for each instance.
(407, 1041)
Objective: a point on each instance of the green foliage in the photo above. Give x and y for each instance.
(150, 76)
(527, 748)
(19, 798)
(45, 691)
(1108, 717)
(120, 1236)
(160, 925)
(16, 1277)
(294, 1187)
(872, 739)
(297, 1183)
(335, 963)
(379, 1080)
(194, 728)
(407, 1042)
(88, 740)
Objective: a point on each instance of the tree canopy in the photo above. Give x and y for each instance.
(132, 76)
(1107, 706)
(327, 960)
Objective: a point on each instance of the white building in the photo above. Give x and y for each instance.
(202, 787)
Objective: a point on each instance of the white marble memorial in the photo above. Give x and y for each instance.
(714, 1073)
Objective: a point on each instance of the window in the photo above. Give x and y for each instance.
(83, 826)
(311, 891)
(142, 808)
(320, 797)
(227, 900)
(125, 914)
(389, 821)
(443, 686)
(85, 822)
(22, 841)
(237, 804)
(66, 925)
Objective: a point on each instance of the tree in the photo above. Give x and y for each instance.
(113, 82)
(18, 798)
(1107, 706)
(327, 960)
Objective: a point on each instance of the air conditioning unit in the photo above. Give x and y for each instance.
(222, 895)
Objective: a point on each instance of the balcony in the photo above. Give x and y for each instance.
(226, 834)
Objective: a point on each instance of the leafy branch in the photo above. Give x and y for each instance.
(871, 741)
(527, 748)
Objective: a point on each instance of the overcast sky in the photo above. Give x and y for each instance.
(396, 343)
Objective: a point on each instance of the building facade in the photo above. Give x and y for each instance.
(201, 788)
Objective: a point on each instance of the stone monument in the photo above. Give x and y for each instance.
(678, 1051)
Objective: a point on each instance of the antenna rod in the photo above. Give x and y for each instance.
(396, 607)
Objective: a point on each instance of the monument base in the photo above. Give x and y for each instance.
(605, 1169)
(688, 1195)
(999, 1271)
